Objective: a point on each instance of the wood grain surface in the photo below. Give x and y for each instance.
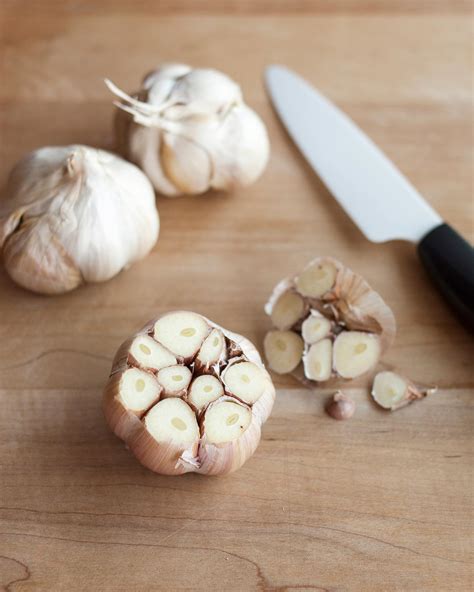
(380, 503)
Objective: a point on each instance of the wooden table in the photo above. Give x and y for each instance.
(382, 502)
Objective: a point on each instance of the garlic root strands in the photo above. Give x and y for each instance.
(330, 324)
(74, 214)
(189, 130)
(173, 413)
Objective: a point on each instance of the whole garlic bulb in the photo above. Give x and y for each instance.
(187, 395)
(74, 214)
(189, 130)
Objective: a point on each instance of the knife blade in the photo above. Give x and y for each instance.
(372, 191)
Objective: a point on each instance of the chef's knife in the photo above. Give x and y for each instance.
(372, 191)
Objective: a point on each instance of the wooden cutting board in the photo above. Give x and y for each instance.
(379, 503)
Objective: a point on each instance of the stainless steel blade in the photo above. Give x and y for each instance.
(373, 192)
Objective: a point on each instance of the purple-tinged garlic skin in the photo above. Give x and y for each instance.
(341, 407)
(161, 411)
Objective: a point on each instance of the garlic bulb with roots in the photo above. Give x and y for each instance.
(186, 395)
(74, 214)
(189, 130)
(328, 324)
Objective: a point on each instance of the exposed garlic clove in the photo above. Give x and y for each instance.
(245, 380)
(150, 354)
(132, 393)
(226, 421)
(316, 279)
(138, 390)
(213, 351)
(392, 391)
(317, 361)
(191, 132)
(342, 307)
(62, 200)
(174, 380)
(170, 429)
(182, 333)
(355, 353)
(341, 407)
(288, 310)
(185, 164)
(315, 328)
(203, 390)
(283, 350)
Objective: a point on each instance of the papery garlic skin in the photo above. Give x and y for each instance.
(74, 214)
(238, 379)
(338, 331)
(190, 131)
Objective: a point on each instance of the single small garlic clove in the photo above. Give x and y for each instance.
(283, 350)
(355, 353)
(341, 406)
(213, 351)
(182, 333)
(74, 214)
(226, 421)
(315, 328)
(316, 279)
(147, 353)
(189, 131)
(203, 390)
(317, 361)
(392, 391)
(174, 380)
(288, 310)
(170, 413)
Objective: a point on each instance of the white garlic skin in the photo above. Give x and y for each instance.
(190, 131)
(74, 214)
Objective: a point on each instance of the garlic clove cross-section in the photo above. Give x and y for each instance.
(339, 325)
(174, 415)
(73, 215)
(392, 391)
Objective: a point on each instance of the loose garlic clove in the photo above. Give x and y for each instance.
(317, 361)
(355, 353)
(317, 279)
(138, 390)
(60, 201)
(181, 332)
(392, 391)
(150, 354)
(156, 407)
(213, 350)
(245, 380)
(283, 350)
(203, 390)
(315, 328)
(174, 380)
(288, 310)
(191, 132)
(341, 407)
(225, 422)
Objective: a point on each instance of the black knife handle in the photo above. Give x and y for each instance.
(449, 259)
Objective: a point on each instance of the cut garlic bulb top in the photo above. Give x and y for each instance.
(199, 409)
(190, 131)
(328, 323)
(74, 214)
